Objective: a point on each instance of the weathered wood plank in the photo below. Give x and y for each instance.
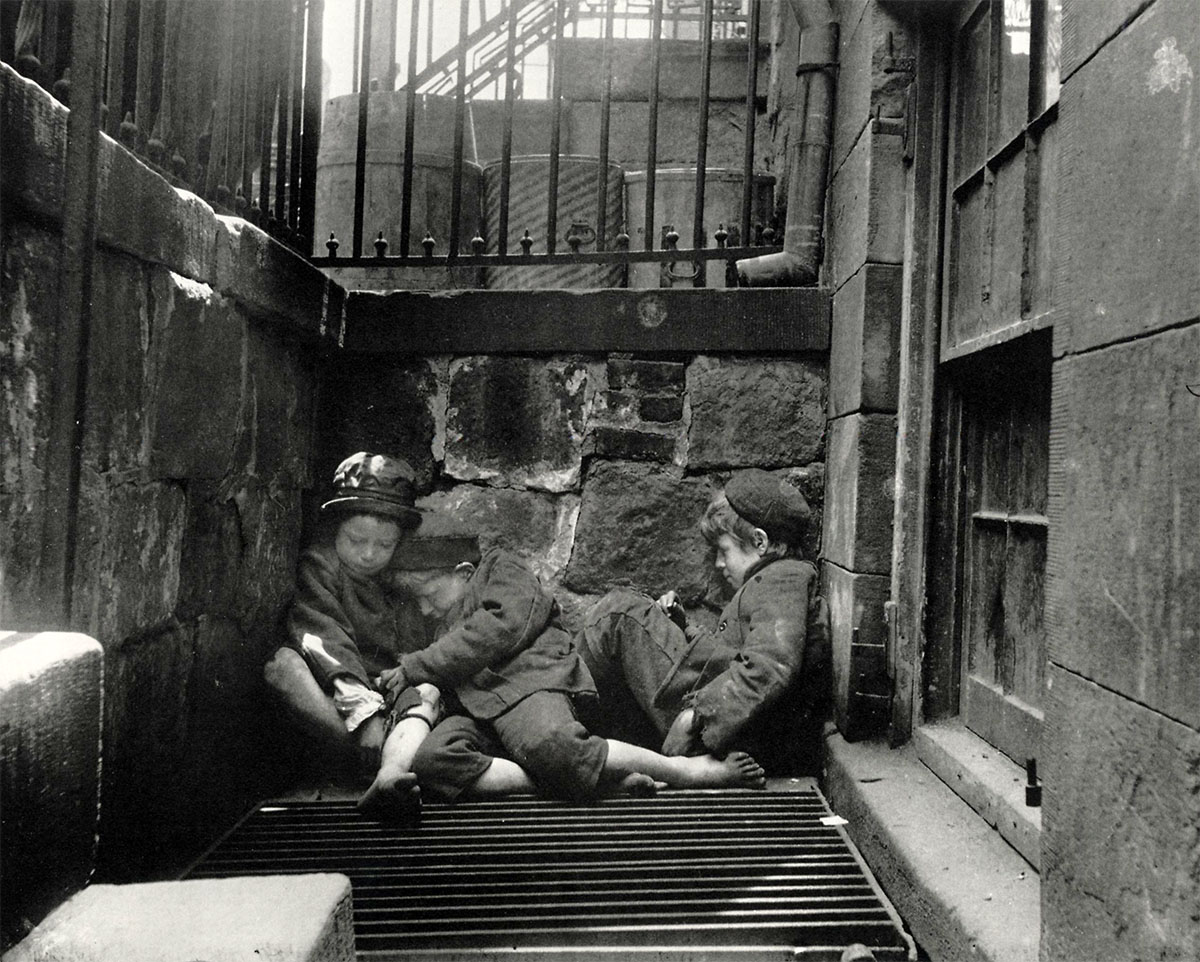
(667, 320)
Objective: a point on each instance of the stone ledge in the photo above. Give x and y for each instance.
(963, 892)
(282, 918)
(986, 779)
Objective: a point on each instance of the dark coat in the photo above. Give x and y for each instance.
(363, 623)
(762, 671)
(507, 643)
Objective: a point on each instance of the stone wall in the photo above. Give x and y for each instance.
(1121, 846)
(197, 433)
(596, 468)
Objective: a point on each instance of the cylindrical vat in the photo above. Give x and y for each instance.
(432, 184)
(675, 205)
(578, 181)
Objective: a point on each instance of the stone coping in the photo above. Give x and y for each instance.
(277, 918)
(962, 890)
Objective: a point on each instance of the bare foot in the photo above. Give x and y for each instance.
(639, 785)
(735, 770)
(392, 797)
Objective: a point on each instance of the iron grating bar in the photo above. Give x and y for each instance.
(704, 874)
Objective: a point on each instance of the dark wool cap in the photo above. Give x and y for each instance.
(440, 542)
(375, 484)
(770, 503)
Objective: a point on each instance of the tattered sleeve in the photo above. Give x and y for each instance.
(772, 610)
(318, 626)
(513, 608)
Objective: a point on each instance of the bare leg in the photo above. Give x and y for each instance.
(394, 792)
(502, 777)
(287, 674)
(736, 770)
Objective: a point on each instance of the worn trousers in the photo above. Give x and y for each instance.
(540, 733)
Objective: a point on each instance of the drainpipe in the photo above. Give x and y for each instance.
(798, 264)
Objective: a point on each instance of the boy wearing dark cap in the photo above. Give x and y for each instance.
(759, 681)
(509, 673)
(348, 623)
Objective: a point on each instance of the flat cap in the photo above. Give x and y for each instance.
(439, 542)
(769, 502)
(376, 484)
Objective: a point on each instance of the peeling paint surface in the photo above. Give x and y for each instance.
(1171, 68)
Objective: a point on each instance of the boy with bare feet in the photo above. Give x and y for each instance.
(508, 673)
(760, 681)
(348, 623)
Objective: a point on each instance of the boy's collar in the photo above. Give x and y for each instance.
(759, 565)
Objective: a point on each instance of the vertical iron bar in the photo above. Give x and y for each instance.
(269, 84)
(751, 114)
(142, 109)
(68, 392)
(656, 41)
(355, 46)
(360, 156)
(605, 117)
(218, 154)
(702, 135)
(410, 109)
(162, 135)
(296, 104)
(251, 66)
(311, 134)
(118, 27)
(429, 34)
(460, 113)
(555, 128)
(506, 146)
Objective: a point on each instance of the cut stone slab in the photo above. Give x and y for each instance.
(50, 694)
(294, 918)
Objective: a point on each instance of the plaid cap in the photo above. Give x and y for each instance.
(375, 484)
(439, 542)
(769, 502)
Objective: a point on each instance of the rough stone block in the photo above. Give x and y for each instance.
(538, 527)
(386, 405)
(1121, 853)
(281, 399)
(661, 410)
(644, 445)
(764, 412)
(115, 427)
(33, 127)
(866, 207)
(516, 421)
(1128, 265)
(210, 561)
(28, 321)
(646, 377)
(864, 356)
(858, 635)
(270, 519)
(129, 544)
(616, 406)
(199, 381)
(50, 695)
(860, 492)
(281, 918)
(639, 525)
(1123, 569)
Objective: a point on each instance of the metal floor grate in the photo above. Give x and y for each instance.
(684, 875)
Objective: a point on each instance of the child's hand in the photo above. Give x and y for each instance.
(669, 602)
(393, 681)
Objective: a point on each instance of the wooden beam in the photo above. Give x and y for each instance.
(655, 321)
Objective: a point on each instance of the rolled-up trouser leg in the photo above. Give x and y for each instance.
(541, 734)
(453, 756)
(629, 643)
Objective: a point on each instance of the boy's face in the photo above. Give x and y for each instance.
(734, 558)
(365, 543)
(438, 591)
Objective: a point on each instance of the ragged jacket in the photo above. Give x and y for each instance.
(345, 624)
(506, 644)
(762, 674)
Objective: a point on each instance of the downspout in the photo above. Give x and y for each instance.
(798, 264)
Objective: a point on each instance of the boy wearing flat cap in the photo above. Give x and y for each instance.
(509, 675)
(348, 623)
(759, 681)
